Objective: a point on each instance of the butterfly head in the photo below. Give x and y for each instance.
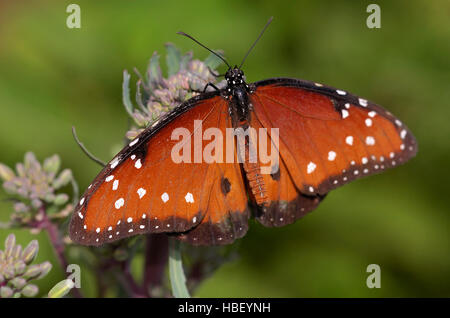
(234, 76)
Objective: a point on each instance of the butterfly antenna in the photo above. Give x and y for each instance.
(216, 54)
(254, 43)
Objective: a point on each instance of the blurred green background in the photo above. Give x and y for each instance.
(52, 77)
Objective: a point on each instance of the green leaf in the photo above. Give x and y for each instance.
(154, 76)
(173, 59)
(185, 60)
(139, 98)
(213, 61)
(126, 93)
(176, 272)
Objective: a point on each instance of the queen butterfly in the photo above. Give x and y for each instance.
(326, 138)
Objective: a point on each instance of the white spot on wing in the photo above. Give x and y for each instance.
(165, 197)
(344, 113)
(189, 198)
(370, 141)
(331, 155)
(403, 134)
(109, 178)
(349, 140)
(119, 203)
(362, 102)
(114, 163)
(131, 144)
(115, 185)
(341, 92)
(311, 167)
(138, 164)
(141, 192)
(368, 122)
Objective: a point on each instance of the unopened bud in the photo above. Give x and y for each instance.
(60, 199)
(30, 252)
(45, 269)
(63, 179)
(52, 164)
(6, 172)
(5, 292)
(61, 289)
(30, 290)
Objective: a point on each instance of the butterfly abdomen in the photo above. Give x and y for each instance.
(256, 182)
(252, 166)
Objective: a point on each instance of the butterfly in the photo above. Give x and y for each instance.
(323, 138)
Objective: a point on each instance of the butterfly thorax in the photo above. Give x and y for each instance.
(236, 92)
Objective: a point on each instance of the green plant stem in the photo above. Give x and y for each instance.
(176, 272)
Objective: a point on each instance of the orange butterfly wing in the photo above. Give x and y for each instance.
(143, 190)
(327, 138)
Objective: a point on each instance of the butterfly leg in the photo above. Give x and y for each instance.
(212, 85)
(214, 73)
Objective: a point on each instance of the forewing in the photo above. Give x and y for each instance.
(328, 137)
(144, 190)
